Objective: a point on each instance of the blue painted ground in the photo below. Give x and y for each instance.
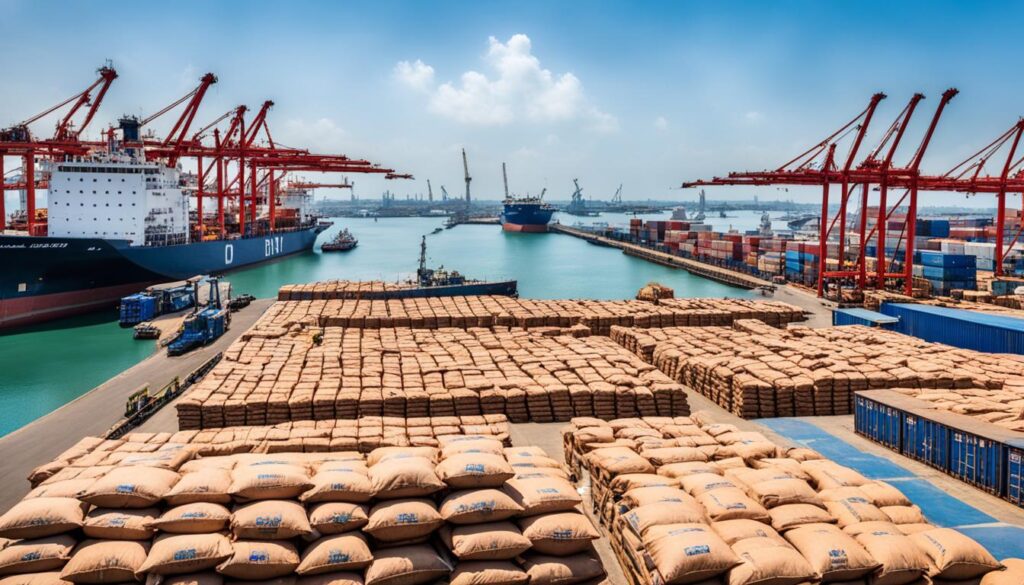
(1003, 540)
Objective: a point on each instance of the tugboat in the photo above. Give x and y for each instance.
(440, 282)
(343, 242)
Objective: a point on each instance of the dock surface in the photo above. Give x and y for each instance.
(97, 410)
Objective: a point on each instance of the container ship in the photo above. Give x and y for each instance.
(116, 224)
(530, 214)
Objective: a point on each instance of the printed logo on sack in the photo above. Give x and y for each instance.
(259, 556)
(336, 557)
(475, 468)
(125, 488)
(341, 517)
(117, 522)
(185, 554)
(194, 515)
(268, 521)
(562, 535)
(700, 549)
(32, 556)
(837, 559)
(268, 476)
(339, 486)
(407, 518)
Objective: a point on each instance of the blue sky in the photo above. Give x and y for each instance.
(647, 94)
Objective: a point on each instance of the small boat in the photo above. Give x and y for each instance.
(431, 282)
(342, 242)
(146, 331)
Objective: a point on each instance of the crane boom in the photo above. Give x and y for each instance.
(504, 177)
(430, 192)
(465, 168)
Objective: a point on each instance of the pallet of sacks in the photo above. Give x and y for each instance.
(687, 501)
(468, 511)
(754, 370)
(94, 455)
(339, 289)
(345, 373)
(285, 317)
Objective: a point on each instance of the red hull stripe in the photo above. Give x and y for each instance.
(533, 229)
(35, 309)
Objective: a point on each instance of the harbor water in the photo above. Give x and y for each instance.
(50, 365)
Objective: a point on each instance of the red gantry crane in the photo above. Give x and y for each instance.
(18, 141)
(817, 166)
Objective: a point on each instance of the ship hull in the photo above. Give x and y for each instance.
(502, 288)
(47, 278)
(526, 217)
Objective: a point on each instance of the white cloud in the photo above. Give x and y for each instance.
(753, 116)
(417, 75)
(516, 88)
(661, 123)
(322, 135)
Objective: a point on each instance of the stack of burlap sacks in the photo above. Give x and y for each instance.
(285, 317)
(91, 457)
(338, 289)
(686, 501)
(1003, 407)
(471, 511)
(754, 370)
(349, 373)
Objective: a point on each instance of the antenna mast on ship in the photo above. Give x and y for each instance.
(423, 259)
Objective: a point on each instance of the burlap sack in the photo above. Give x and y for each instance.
(206, 485)
(617, 460)
(41, 517)
(204, 578)
(854, 510)
(404, 477)
(904, 514)
(386, 453)
(862, 527)
(787, 517)
(767, 561)
(834, 555)
(488, 573)
(477, 445)
(474, 506)
(883, 494)
(46, 578)
(68, 488)
(669, 455)
(658, 514)
(909, 529)
(493, 541)
(688, 553)
(679, 470)
(268, 481)
(338, 517)
(342, 578)
(779, 492)
(176, 554)
(257, 560)
(550, 570)
(406, 565)
(834, 476)
(541, 473)
(270, 520)
(954, 554)
(560, 533)
(400, 520)
(902, 561)
(732, 504)
(110, 524)
(532, 461)
(700, 483)
(1012, 574)
(339, 486)
(621, 484)
(733, 531)
(643, 496)
(35, 556)
(474, 470)
(194, 518)
(105, 561)
(541, 496)
(340, 552)
(131, 487)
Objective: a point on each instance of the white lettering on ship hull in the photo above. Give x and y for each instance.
(273, 246)
(229, 254)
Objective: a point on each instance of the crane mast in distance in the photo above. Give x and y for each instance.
(430, 192)
(444, 193)
(465, 168)
(617, 197)
(504, 177)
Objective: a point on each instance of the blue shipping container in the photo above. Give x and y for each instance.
(958, 327)
(878, 422)
(926, 440)
(1015, 475)
(949, 273)
(978, 461)
(933, 258)
(862, 317)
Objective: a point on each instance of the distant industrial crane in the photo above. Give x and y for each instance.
(577, 195)
(504, 177)
(617, 197)
(465, 168)
(444, 193)
(430, 192)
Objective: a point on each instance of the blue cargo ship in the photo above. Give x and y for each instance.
(529, 214)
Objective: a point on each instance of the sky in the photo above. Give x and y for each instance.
(643, 94)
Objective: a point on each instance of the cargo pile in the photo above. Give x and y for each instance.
(349, 373)
(754, 370)
(94, 455)
(466, 512)
(497, 311)
(339, 289)
(687, 501)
